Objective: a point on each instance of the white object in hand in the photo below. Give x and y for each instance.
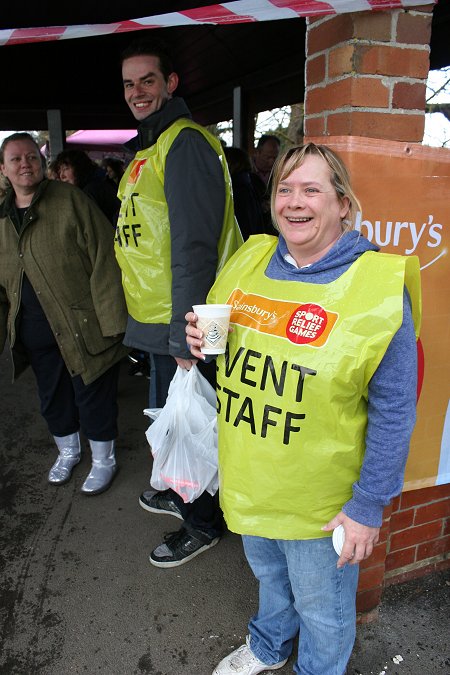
(213, 320)
(338, 538)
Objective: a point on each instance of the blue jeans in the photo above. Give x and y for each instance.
(301, 590)
(162, 370)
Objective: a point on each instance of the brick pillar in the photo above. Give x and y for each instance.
(366, 74)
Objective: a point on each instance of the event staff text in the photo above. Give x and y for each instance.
(257, 370)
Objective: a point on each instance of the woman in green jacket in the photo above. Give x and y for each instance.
(62, 308)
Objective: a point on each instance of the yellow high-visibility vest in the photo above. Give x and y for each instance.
(293, 385)
(142, 243)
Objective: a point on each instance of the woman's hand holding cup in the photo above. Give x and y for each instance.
(194, 336)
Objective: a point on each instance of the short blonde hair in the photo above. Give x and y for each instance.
(339, 177)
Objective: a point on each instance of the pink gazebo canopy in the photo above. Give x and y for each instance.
(101, 142)
(101, 137)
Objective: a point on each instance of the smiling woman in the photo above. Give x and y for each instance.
(308, 211)
(312, 202)
(316, 401)
(62, 308)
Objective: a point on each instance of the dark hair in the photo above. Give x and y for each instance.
(115, 164)
(265, 138)
(53, 168)
(150, 47)
(20, 136)
(237, 159)
(82, 165)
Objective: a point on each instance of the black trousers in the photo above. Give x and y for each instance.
(204, 513)
(67, 404)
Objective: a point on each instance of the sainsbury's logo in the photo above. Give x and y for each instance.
(254, 310)
(304, 323)
(424, 239)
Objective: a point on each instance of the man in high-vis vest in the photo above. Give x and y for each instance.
(175, 231)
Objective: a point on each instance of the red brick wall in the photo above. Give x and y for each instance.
(366, 76)
(415, 540)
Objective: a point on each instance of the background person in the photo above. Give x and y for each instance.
(316, 408)
(265, 156)
(52, 170)
(176, 229)
(77, 168)
(62, 308)
(114, 169)
(247, 203)
(263, 160)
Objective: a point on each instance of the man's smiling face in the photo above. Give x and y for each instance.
(144, 85)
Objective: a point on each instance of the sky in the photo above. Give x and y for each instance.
(437, 127)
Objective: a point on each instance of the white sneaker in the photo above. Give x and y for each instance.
(243, 661)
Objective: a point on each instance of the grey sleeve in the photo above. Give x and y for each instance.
(194, 187)
(391, 419)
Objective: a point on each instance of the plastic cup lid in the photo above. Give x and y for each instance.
(338, 538)
(214, 311)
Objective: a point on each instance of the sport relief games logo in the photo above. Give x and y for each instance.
(302, 324)
(307, 324)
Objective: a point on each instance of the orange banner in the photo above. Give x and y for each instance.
(405, 195)
(301, 323)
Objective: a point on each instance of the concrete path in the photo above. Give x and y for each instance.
(78, 595)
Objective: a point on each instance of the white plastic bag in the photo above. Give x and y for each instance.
(183, 437)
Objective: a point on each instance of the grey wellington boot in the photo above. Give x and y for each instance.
(69, 456)
(104, 468)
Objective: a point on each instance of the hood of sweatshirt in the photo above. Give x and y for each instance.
(334, 263)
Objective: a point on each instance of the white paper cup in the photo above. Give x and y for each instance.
(213, 320)
(338, 539)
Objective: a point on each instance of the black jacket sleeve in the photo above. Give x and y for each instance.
(194, 186)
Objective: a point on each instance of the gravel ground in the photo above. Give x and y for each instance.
(78, 595)
(411, 635)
